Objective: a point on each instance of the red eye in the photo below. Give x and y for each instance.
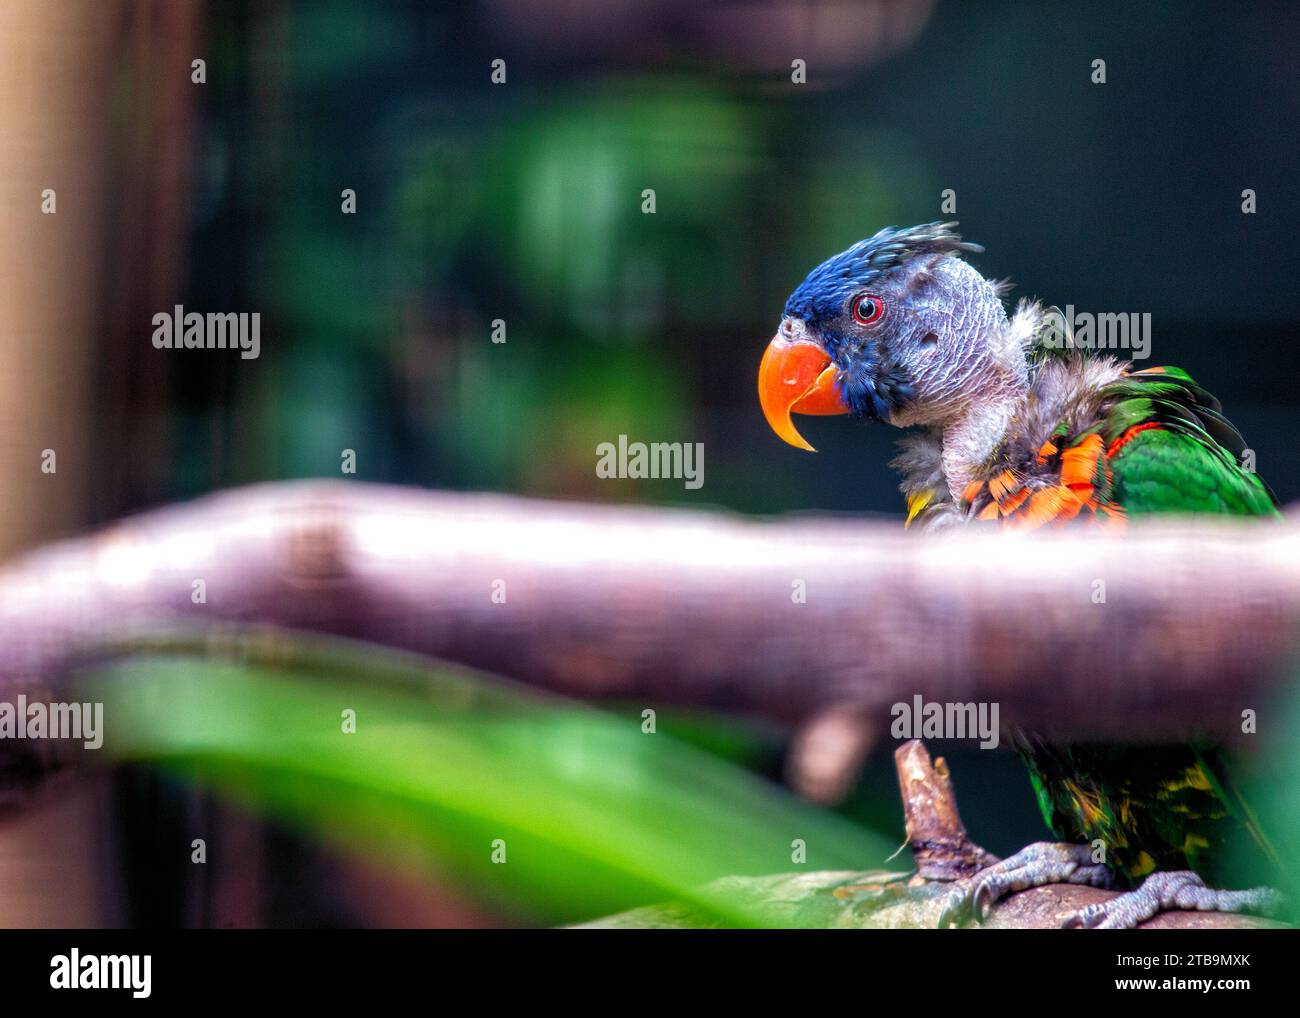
(867, 308)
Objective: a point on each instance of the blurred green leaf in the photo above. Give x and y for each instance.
(566, 191)
(1271, 787)
(595, 815)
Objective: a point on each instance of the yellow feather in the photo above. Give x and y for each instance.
(915, 503)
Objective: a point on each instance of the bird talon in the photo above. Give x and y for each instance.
(1084, 919)
(1041, 863)
(1169, 891)
(956, 909)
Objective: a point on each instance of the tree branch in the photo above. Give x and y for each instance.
(1180, 625)
(935, 833)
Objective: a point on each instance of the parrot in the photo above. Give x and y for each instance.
(1012, 424)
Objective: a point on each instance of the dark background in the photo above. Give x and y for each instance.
(522, 201)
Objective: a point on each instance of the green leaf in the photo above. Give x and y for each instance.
(594, 814)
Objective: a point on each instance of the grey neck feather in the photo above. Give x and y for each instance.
(971, 438)
(977, 379)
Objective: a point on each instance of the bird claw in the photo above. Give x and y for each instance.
(956, 910)
(1164, 892)
(1044, 862)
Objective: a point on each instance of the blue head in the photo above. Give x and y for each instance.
(898, 328)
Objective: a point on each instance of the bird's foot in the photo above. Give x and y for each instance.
(1163, 892)
(1044, 862)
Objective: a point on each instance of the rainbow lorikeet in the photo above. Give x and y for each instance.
(1018, 427)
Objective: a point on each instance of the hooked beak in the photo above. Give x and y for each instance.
(796, 376)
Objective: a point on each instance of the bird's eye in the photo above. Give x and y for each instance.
(867, 308)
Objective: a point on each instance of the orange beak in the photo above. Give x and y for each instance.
(796, 376)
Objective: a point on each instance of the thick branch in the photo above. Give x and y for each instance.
(1198, 620)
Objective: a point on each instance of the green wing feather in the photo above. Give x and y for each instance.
(1191, 463)
(1166, 471)
(1157, 807)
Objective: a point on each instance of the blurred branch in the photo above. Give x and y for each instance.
(875, 900)
(661, 606)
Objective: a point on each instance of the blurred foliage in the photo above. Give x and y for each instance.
(595, 814)
(1271, 787)
(522, 202)
(567, 195)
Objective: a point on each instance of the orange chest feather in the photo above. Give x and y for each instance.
(1073, 484)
